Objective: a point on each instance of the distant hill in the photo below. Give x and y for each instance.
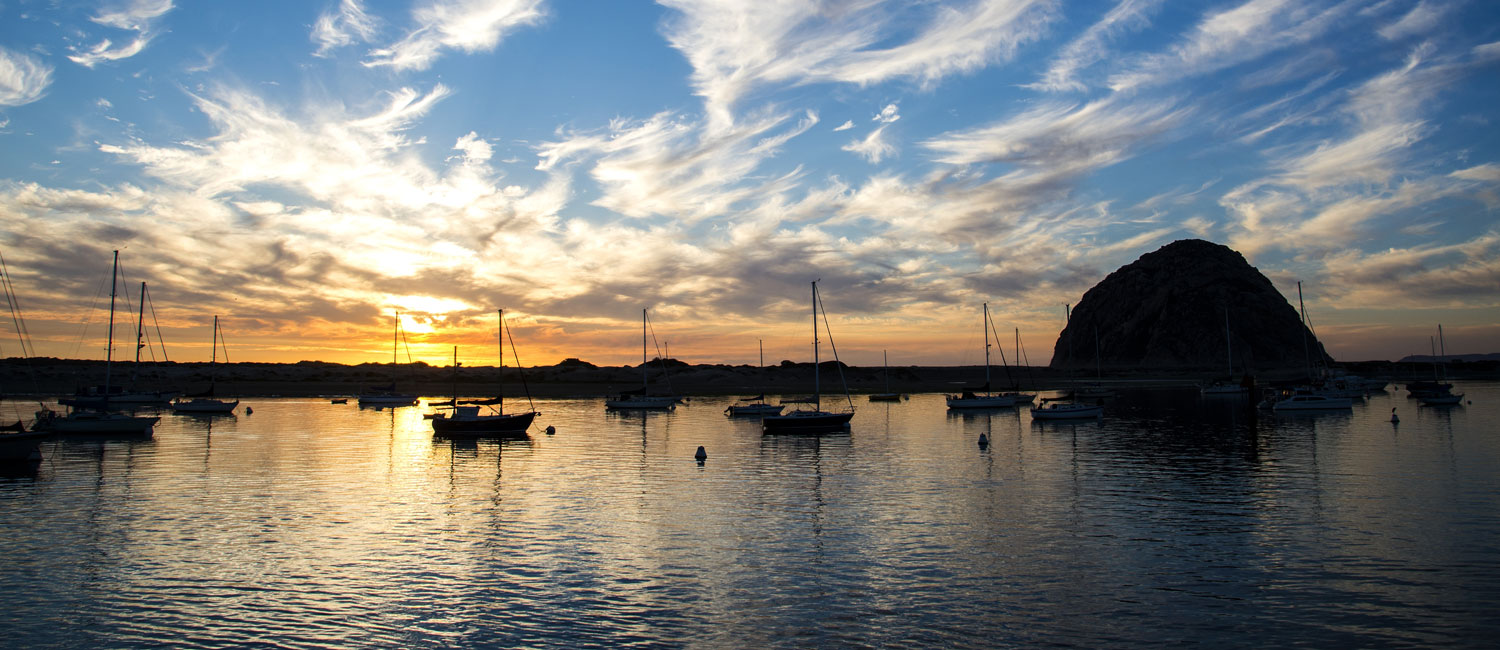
(1452, 358)
(1167, 310)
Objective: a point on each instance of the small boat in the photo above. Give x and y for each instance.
(341, 400)
(387, 395)
(17, 445)
(753, 406)
(1442, 398)
(1300, 401)
(1066, 411)
(204, 403)
(980, 397)
(639, 400)
(1225, 386)
(815, 419)
(466, 420)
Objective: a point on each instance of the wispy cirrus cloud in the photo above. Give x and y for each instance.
(138, 16)
(23, 78)
(736, 47)
(1422, 19)
(466, 25)
(1092, 46)
(670, 166)
(1062, 137)
(1243, 33)
(344, 26)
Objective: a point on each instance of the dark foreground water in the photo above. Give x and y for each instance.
(1175, 521)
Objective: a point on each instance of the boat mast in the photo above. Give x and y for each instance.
(140, 324)
(109, 348)
(500, 334)
(817, 394)
(213, 354)
(644, 382)
(1442, 351)
(885, 362)
(1306, 347)
(1228, 351)
(987, 347)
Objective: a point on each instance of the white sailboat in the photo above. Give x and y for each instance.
(972, 398)
(387, 395)
(815, 419)
(638, 400)
(100, 421)
(205, 403)
(755, 406)
(467, 420)
(1074, 410)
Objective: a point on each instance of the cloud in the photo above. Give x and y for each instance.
(1092, 46)
(1057, 137)
(138, 16)
(848, 124)
(1244, 33)
(736, 47)
(888, 114)
(466, 25)
(1422, 19)
(670, 166)
(23, 78)
(873, 147)
(345, 26)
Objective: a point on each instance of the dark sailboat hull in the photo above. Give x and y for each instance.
(483, 425)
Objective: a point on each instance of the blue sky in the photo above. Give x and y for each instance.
(307, 169)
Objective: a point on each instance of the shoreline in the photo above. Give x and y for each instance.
(57, 377)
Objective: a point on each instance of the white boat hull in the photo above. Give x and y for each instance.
(1067, 412)
(1312, 403)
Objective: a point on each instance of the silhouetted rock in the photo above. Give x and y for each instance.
(1167, 310)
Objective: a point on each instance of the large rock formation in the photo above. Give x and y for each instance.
(1167, 310)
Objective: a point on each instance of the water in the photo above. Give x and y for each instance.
(1175, 521)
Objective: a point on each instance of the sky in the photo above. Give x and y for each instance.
(307, 170)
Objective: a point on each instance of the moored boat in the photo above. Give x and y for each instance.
(1067, 411)
(639, 400)
(815, 419)
(467, 420)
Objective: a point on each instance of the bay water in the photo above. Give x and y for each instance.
(1175, 520)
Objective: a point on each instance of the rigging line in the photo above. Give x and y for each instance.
(835, 348)
(88, 319)
(404, 342)
(14, 303)
(151, 305)
(1003, 363)
(665, 373)
(519, 370)
(219, 340)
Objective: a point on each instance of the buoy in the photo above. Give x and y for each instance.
(701, 455)
(550, 430)
(984, 441)
(249, 410)
(1393, 416)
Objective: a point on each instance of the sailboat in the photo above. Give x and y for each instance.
(1226, 386)
(971, 397)
(887, 396)
(1069, 410)
(466, 420)
(1441, 394)
(815, 419)
(752, 406)
(204, 403)
(638, 400)
(100, 421)
(387, 395)
(119, 397)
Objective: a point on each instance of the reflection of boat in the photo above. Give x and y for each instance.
(468, 421)
(638, 400)
(204, 403)
(887, 396)
(101, 421)
(815, 419)
(1066, 411)
(387, 395)
(980, 397)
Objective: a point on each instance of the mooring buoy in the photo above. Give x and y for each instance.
(1394, 419)
(551, 430)
(249, 410)
(984, 441)
(701, 455)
